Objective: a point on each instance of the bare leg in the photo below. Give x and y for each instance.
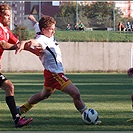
(8, 87)
(73, 91)
(44, 94)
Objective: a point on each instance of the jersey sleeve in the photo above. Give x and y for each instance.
(36, 27)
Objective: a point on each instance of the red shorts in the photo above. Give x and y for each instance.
(55, 80)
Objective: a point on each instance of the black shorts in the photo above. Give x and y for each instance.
(2, 79)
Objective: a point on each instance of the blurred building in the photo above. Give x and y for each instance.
(40, 8)
(126, 7)
(22, 9)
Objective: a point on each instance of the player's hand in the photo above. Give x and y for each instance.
(32, 18)
(21, 46)
(2, 43)
(130, 72)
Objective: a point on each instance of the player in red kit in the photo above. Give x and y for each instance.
(6, 36)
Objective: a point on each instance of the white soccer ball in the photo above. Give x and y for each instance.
(90, 116)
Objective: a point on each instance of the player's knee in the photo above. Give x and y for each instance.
(8, 87)
(44, 97)
(11, 89)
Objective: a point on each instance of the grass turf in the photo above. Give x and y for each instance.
(108, 93)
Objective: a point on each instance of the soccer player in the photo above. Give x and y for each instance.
(7, 37)
(130, 73)
(53, 68)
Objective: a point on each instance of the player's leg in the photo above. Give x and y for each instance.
(8, 87)
(61, 82)
(34, 99)
(73, 91)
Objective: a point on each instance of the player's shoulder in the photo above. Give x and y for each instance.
(42, 37)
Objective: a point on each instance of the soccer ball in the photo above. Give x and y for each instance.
(90, 116)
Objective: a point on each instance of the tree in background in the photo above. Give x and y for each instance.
(98, 14)
(68, 15)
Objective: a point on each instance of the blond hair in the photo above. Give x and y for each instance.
(3, 8)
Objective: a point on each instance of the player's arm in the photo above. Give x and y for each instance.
(34, 23)
(7, 46)
(34, 47)
(31, 45)
(32, 19)
(12, 41)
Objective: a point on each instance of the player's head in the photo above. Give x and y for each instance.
(47, 25)
(5, 13)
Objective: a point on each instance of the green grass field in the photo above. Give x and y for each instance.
(85, 36)
(108, 93)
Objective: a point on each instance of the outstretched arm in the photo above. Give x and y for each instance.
(31, 45)
(7, 46)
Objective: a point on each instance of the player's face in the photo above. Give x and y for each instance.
(5, 18)
(49, 31)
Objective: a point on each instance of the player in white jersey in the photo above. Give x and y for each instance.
(53, 67)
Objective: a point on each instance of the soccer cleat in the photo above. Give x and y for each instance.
(23, 122)
(98, 123)
(130, 120)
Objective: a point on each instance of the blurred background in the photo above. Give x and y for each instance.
(94, 15)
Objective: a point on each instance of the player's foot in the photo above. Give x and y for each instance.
(19, 110)
(130, 120)
(98, 123)
(23, 122)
